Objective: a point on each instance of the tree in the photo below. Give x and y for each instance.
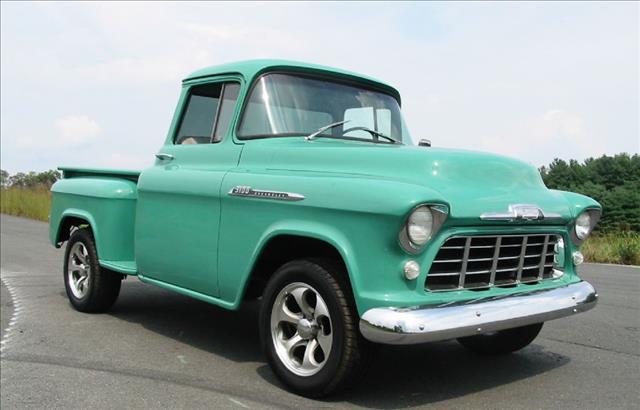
(612, 181)
(4, 178)
(32, 179)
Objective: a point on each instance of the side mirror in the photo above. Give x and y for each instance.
(424, 143)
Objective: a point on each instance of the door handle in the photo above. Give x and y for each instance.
(164, 157)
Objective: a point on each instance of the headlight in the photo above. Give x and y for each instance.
(583, 225)
(420, 225)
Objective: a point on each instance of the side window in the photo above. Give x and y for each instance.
(199, 116)
(207, 116)
(230, 93)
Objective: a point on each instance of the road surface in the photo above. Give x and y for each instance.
(156, 349)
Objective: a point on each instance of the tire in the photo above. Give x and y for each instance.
(327, 350)
(503, 341)
(90, 288)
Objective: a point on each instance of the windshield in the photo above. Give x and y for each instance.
(282, 105)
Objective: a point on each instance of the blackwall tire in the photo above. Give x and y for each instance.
(90, 288)
(309, 328)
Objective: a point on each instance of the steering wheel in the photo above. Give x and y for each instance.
(375, 134)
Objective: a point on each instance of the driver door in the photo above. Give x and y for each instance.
(178, 209)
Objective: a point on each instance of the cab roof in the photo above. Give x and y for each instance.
(250, 69)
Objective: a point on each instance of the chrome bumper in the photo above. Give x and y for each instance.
(402, 326)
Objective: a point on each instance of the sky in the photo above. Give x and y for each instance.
(96, 84)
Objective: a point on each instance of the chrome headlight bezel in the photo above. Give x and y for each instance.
(438, 213)
(593, 215)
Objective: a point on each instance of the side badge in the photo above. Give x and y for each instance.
(247, 191)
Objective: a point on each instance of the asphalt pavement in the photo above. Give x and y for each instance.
(157, 349)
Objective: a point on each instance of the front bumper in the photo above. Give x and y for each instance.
(402, 326)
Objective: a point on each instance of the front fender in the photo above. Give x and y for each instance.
(308, 229)
(233, 286)
(359, 216)
(578, 203)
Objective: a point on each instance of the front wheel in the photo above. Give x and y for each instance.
(503, 341)
(308, 328)
(90, 288)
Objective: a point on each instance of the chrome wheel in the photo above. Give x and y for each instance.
(301, 329)
(78, 270)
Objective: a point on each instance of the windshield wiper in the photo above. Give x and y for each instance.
(374, 133)
(323, 129)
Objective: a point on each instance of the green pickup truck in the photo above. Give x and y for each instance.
(300, 185)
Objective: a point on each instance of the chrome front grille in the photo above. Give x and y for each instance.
(481, 262)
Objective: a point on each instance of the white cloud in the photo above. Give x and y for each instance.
(559, 124)
(76, 129)
(546, 136)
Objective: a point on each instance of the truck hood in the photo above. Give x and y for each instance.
(470, 183)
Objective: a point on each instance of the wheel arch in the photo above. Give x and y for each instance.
(284, 243)
(70, 218)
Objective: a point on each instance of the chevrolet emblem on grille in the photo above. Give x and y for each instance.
(519, 212)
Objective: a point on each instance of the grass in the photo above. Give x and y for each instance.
(33, 203)
(622, 248)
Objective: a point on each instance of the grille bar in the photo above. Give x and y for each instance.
(494, 264)
(523, 250)
(465, 262)
(543, 258)
(482, 262)
(488, 246)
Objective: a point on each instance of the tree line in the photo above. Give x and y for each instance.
(612, 181)
(29, 180)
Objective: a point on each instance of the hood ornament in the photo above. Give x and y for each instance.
(520, 212)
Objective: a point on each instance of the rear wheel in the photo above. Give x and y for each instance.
(90, 288)
(308, 328)
(503, 341)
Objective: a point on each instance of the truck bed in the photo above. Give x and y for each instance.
(71, 172)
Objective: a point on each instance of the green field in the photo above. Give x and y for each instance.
(623, 248)
(620, 247)
(34, 203)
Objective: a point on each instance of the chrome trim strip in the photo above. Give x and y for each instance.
(401, 326)
(520, 212)
(247, 191)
